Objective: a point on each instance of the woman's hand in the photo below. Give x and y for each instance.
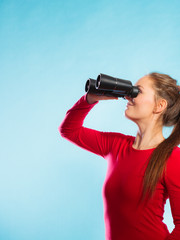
(92, 98)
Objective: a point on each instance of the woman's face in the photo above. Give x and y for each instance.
(142, 107)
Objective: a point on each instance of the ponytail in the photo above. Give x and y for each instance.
(165, 87)
(157, 162)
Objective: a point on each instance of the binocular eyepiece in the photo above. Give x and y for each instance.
(110, 86)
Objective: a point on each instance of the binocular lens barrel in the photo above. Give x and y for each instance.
(108, 82)
(110, 86)
(90, 87)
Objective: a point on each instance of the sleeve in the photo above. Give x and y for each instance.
(173, 187)
(92, 140)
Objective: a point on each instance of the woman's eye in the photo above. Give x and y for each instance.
(140, 90)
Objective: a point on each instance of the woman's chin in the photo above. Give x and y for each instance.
(128, 115)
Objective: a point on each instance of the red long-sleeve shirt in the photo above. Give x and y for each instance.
(125, 218)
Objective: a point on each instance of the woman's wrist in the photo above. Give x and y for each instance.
(91, 98)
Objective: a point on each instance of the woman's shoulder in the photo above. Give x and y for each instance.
(116, 136)
(173, 162)
(175, 153)
(119, 134)
(173, 168)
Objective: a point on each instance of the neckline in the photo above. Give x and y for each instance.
(140, 150)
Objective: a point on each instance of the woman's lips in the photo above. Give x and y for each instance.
(130, 104)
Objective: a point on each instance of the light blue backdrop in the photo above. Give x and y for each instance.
(49, 188)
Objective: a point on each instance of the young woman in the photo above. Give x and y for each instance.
(143, 171)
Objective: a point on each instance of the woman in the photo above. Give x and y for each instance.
(143, 171)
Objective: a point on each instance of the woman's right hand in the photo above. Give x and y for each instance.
(92, 98)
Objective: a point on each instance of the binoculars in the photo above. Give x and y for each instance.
(110, 86)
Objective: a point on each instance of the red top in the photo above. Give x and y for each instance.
(125, 219)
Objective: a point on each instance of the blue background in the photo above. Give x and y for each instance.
(49, 188)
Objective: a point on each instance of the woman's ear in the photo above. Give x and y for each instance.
(160, 106)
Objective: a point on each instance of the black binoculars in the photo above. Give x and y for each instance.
(110, 86)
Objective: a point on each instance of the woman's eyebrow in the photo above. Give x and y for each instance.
(140, 86)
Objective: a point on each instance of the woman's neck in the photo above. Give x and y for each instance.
(147, 138)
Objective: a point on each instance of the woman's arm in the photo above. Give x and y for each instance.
(173, 187)
(72, 127)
